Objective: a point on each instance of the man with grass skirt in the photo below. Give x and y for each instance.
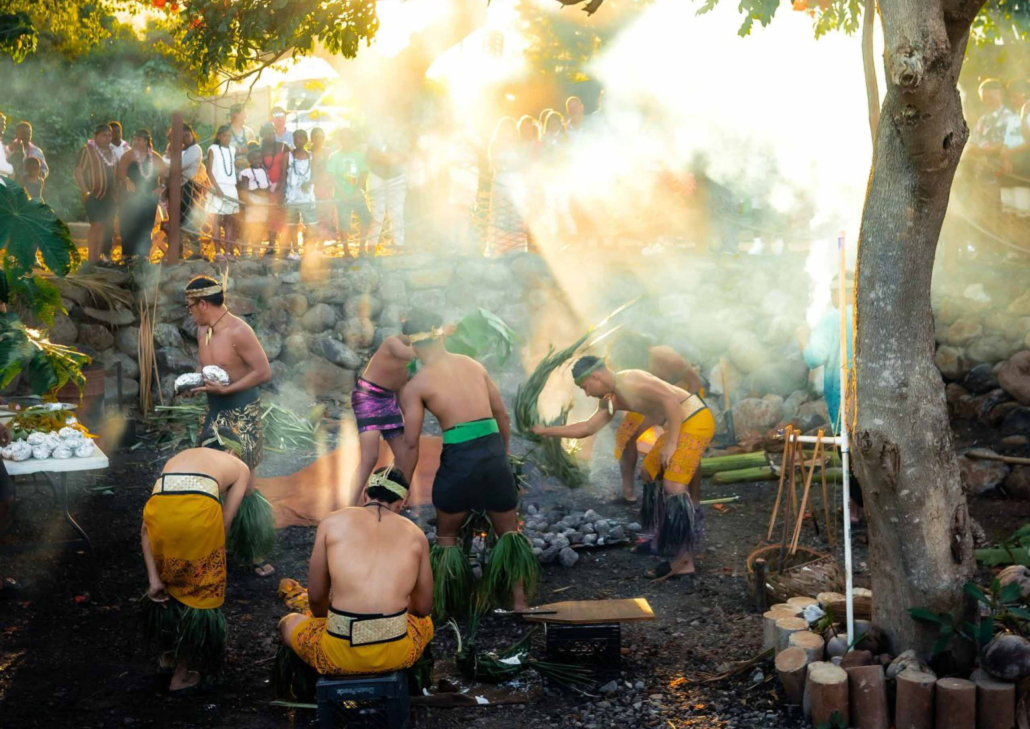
(474, 472)
(192, 508)
(369, 596)
(233, 420)
(672, 462)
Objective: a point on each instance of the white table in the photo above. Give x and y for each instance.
(48, 467)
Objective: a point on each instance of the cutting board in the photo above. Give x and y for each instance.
(583, 612)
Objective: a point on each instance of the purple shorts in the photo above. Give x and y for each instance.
(376, 408)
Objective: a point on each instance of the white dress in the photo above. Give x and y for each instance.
(223, 176)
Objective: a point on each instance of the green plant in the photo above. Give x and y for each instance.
(1013, 550)
(1000, 608)
(483, 336)
(836, 722)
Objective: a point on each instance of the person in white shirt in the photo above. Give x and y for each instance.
(22, 149)
(118, 144)
(242, 135)
(388, 184)
(222, 203)
(282, 134)
(300, 195)
(6, 170)
(256, 194)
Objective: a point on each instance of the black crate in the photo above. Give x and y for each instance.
(364, 702)
(597, 647)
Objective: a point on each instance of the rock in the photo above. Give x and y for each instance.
(330, 292)
(279, 373)
(964, 330)
(168, 387)
(130, 389)
(1014, 377)
(381, 334)
(261, 286)
(538, 543)
(568, 557)
(979, 475)
(1006, 657)
(907, 660)
(491, 299)
(430, 299)
(291, 277)
(1020, 306)
(1018, 483)
(110, 360)
(980, 379)
(363, 278)
(836, 646)
(433, 277)
(856, 658)
(167, 335)
(602, 527)
(363, 306)
(548, 555)
(324, 379)
(295, 348)
(746, 353)
(634, 527)
(752, 416)
(296, 304)
(561, 541)
(874, 640)
(589, 539)
(127, 340)
(590, 516)
(575, 519)
(270, 341)
(576, 538)
(319, 318)
(118, 317)
(951, 362)
(609, 688)
(991, 349)
(356, 333)
(189, 328)
(392, 316)
(811, 415)
(780, 377)
(96, 336)
(795, 400)
(64, 330)
(243, 305)
(1016, 422)
(174, 359)
(1018, 574)
(393, 290)
(340, 354)
(619, 532)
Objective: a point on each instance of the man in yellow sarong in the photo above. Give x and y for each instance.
(185, 522)
(375, 562)
(672, 462)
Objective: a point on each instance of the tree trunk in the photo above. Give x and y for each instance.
(872, 90)
(920, 547)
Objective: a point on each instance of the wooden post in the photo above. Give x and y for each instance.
(784, 628)
(995, 703)
(802, 602)
(174, 188)
(769, 618)
(808, 486)
(868, 697)
(956, 704)
(827, 693)
(811, 643)
(761, 598)
(915, 700)
(792, 667)
(788, 456)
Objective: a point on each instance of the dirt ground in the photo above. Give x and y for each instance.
(70, 653)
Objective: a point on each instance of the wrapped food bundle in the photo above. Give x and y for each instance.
(85, 450)
(52, 440)
(41, 451)
(70, 433)
(214, 373)
(21, 451)
(7, 453)
(188, 381)
(61, 451)
(36, 439)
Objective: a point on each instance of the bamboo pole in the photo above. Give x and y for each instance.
(831, 538)
(174, 188)
(845, 449)
(787, 453)
(804, 497)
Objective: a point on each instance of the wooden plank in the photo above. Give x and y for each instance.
(584, 612)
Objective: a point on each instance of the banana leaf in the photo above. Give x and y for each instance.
(483, 335)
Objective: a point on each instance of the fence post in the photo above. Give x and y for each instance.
(174, 188)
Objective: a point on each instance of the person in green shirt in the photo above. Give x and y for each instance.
(348, 169)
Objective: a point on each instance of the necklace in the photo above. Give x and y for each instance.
(108, 157)
(210, 329)
(145, 167)
(227, 162)
(240, 141)
(296, 170)
(378, 504)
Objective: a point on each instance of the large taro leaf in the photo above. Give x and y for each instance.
(482, 334)
(30, 226)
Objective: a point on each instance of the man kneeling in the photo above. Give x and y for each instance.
(376, 564)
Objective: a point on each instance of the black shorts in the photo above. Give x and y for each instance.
(475, 475)
(100, 210)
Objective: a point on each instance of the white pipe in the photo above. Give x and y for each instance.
(844, 447)
(826, 440)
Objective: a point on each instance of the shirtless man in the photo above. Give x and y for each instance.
(234, 410)
(674, 459)
(370, 589)
(474, 471)
(377, 410)
(185, 525)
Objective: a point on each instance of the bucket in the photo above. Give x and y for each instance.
(90, 410)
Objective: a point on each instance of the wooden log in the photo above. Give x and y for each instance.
(785, 627)
(745, 475)
(826, 692)
(914, 706)
(792, 668)
(811, 643)
(761, 596)
(955, 704)
(802, 602)
(828, 598)
(995, 703)
(736, 462)
(769, 618)
(788, 452)
(868, 691)
(786, 607)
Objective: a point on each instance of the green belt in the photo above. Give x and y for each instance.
(463, 432)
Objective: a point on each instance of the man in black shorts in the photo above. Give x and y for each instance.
(474, 472)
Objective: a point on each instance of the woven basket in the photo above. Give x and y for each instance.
(805, 573)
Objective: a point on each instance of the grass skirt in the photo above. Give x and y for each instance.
(195, 636)
(452, 582)
(252, 534)
(511, 562)
(681, 525)
(651, 505)
(292, 678)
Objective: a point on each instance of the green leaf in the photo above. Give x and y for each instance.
(923, 615)
(1021, 613)
(1011, 593)
(974, 591)
(986, 632)
(30, 226)
(43, 377)
(939, 646)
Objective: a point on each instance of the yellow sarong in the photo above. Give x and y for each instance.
(184, 523)
(627, 432)
(334, 656)
(696, 433)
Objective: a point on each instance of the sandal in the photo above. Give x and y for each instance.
(622, 501)
(263, 569)
(293, 595)
(663, 573)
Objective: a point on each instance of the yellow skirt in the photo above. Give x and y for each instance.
(332, 656)
(696, 433)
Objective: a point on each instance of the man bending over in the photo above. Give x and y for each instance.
(673, 460)
(474, 471)
(185, 523)
(370, 588)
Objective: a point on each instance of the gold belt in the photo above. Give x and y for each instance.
(180, 482)
(692, 406)
(367, 629)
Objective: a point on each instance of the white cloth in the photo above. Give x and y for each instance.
(298, 175)
(1013, 129)
(256, 178)
(121, 149)
(387, 198)
(222, 172)
(5, 167)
